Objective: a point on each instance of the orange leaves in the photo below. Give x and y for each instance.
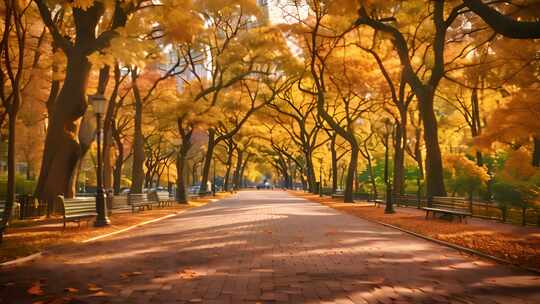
(189, 274)
(93, 287)
(71, 290)
(331, 232)
(247, 7)
(101, 294)
(180, 21)
(515, 121)
(518, 166)
(463, 175)
(131, 274)
(35, 289)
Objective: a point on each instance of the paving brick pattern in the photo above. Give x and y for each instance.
(266, 247)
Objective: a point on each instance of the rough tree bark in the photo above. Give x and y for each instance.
(181, 162)
(334, 162)
(231, 147)
(62, 149)
(137, 175)
(238, 169)
(207, 161)
(502, 24)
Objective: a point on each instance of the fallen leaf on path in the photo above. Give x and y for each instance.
(130, 274)
(189, 274)
(93, 287)
(331, 232)
(35, 290)
(100, 294)
(71, 289)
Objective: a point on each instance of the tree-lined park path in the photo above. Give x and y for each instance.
(264, 246)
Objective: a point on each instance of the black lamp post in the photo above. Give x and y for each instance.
(389, 205)
(320, 176)
(214, 178)
(98, 104)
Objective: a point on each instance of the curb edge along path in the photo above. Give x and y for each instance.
(40, 254)
(456, 247)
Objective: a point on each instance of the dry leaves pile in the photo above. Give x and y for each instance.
(523, 248)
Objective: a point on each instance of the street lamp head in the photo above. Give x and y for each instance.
(98, 102)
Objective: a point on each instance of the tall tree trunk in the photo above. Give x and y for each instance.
(290, 169)
(334, 163)
(238, 169)
(244, 166)
(434, 168)
(420, 164)
(108, 140)
(475, 123)
(12, 128)
(399, 155)
(137, 174)
(181, 165)
(228, 165)
(181, 188)
(194, 168)
(117, 174)
(119, 162)
(372, 178)
(367, 156)
(62, 151)
(536, 152)
(181, 172)
(310, 171)
(207, 161)
(351, 174)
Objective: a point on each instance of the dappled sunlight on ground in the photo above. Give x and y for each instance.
(248, 250)
(517, 244)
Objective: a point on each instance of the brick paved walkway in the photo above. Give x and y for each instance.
(267, 246)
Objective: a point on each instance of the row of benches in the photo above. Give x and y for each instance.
(448, 206)
(84, 208)
(139, 202)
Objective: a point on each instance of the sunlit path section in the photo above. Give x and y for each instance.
(265, 247)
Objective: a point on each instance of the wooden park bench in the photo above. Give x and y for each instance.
(78, 209)
(361, 196)
(338, 194)
(120, 204)
(377, 200)
(140, 201)
(452, 206)
(408, 200)
(162, 198)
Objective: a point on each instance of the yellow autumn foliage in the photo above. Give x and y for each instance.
(463, 175)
